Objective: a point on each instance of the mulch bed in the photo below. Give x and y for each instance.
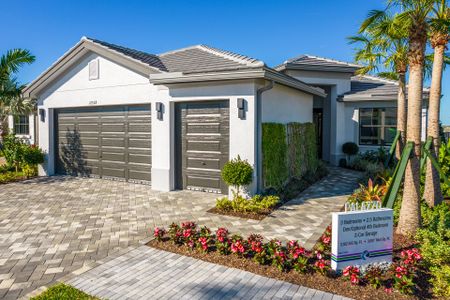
(243, 215)
(335, 285)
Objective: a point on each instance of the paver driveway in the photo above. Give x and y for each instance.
(50, 227)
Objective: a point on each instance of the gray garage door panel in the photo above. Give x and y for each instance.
(202, 133)
(105, 142)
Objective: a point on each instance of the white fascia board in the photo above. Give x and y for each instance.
(177, 77)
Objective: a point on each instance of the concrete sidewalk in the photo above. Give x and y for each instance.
(148, 273)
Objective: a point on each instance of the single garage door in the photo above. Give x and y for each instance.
(107, 142)
(202, 143)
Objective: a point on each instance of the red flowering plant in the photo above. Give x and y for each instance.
(299, 256)
(352, 273)
(405, 270)
(205, 239)
(321, 265)
(324, 244)
(222, 241)
(279, 255)
(189, 234)
(238, 245)
(176, 234)
(373, 276)
(258, 249)
(159, 233)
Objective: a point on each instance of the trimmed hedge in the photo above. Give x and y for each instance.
(274, 149)
(302, 149)
(289, 151)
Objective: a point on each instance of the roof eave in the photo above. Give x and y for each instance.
(301, 67)
(370, 97)
(178, 77)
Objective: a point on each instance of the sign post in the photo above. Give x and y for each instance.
(361, 237)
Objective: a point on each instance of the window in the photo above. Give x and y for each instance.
(377, 126)
(21, 125)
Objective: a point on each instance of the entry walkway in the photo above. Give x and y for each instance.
(148, 273)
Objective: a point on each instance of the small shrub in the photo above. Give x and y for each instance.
(257, 204)
(237, 173)
(371, 192)
(63, 291)
(12, 149)
(444, 163)
(350, 149)
(441, 280)
(10, 177)
(224, 204)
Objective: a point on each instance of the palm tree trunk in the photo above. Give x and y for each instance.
(401, 114)
(433, 194)
(410, 219)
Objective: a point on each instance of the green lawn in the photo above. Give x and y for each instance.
(63, 291)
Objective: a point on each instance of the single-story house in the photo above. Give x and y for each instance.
(175, 118)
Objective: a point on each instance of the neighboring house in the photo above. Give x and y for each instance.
(175, 118)
(24, 127)
(447, 132)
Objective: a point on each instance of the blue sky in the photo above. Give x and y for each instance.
(269, 30)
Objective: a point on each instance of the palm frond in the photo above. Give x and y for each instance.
(388, 75)
(13, 60)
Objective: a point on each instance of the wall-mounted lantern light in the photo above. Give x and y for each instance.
(241, 103)
(159, 110)
(42, 114)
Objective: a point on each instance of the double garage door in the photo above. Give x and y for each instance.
(108, 142)
(115, 142)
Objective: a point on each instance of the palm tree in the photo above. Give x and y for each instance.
(415, 14)
(384, 42)
(11, 100)
(439, 37)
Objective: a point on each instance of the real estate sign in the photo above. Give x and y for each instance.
(361, 237)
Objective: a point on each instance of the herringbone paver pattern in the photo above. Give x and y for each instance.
(148, 273)
(50, 227)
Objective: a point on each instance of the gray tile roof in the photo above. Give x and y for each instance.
(364, 88)
(311, 62)
(195, 59)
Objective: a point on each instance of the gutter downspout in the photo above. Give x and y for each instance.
(258, 153)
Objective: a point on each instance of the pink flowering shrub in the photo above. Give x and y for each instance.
(159, 233)
(322, 266)
(238, 245)
(258, 249)
(222, 241)
(324, 244)
(205, 239)
(189, 234)
(176, 234)
(405, 270)
(352, 273)
(299, 257)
